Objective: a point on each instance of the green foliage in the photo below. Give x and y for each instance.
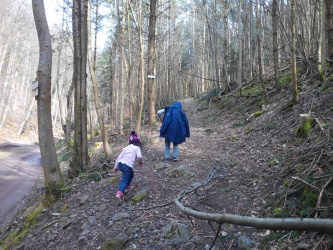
(98, 131)
(94, 176)
(287, 183)
(252, 90)
(271, 237)
(71, 141)
(64, 156)
(280, 213)
(262, 102)
(53, 192)
(127, 124)
(65, 188)
(113, 180)
(304, 130)
(326, 125)
(15, 237)
(248, 131)
(259, 112)
(60, 143)
(240, 124)
(294, 234)
(288, 107)
(226, 102)
(64, 208)
(269, 126)
(327, 86)
(285, 78)
(203, 107)
(211, 95)
(308, 202)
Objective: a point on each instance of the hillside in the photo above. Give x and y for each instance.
(245, 151)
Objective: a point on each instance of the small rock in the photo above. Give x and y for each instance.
(303, 245)
(92, 220)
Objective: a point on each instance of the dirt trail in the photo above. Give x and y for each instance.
(20, 168)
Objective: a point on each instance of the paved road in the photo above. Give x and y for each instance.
(20, 168)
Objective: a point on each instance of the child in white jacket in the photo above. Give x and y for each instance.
(125, 163)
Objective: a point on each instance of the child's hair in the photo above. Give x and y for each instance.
(134, 139)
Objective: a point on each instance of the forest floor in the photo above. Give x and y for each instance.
(243, 164)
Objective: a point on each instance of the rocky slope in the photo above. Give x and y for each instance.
(243, 152)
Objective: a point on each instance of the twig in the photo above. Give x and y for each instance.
(322, 238)
(216, 236)
(148, 208)
(320, 126)
(306, 183)
(232, 242)
(321, 194)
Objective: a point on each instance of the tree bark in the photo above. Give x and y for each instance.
(329, 30)
(52, 174)
(322, 41)
(290, 224)
(151, 90)
(275, 45)
(106, 146)
(293, 34)
(80, 159)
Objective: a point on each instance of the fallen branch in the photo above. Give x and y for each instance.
(291, 224)
(321, 194)
(306, 183)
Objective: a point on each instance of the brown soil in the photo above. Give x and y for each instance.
(243, 160)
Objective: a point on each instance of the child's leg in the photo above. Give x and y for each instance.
(166, 150)
(175, 151)
(126, 179)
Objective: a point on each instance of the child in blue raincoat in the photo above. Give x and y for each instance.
(175, 128)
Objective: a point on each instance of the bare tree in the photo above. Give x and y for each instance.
(106, 146)
(322, 41)
(275, 45)
(52, 174)
(329, 30)
(293, 34)
(80, 159)
(151, 89)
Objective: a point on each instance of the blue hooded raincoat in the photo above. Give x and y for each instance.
(175, 127)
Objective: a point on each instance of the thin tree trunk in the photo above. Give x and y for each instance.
(141, 66)
(329, 30)
(52, 174)
(322, 42)
(24, 123)
(80, 159)
(106, 146)
(240, 51)
(275, 45)
(151, 91)
(293, 33)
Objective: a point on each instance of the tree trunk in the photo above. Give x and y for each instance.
(24, 123)
(240, 51)
(275, 45)
(80, 159)
(293, 34)
(322, 42)
(329, 30)
(106, 146)
(141, 66)
(151, 91)
(52, 174)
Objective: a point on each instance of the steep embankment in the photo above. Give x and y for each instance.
(244, 150)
